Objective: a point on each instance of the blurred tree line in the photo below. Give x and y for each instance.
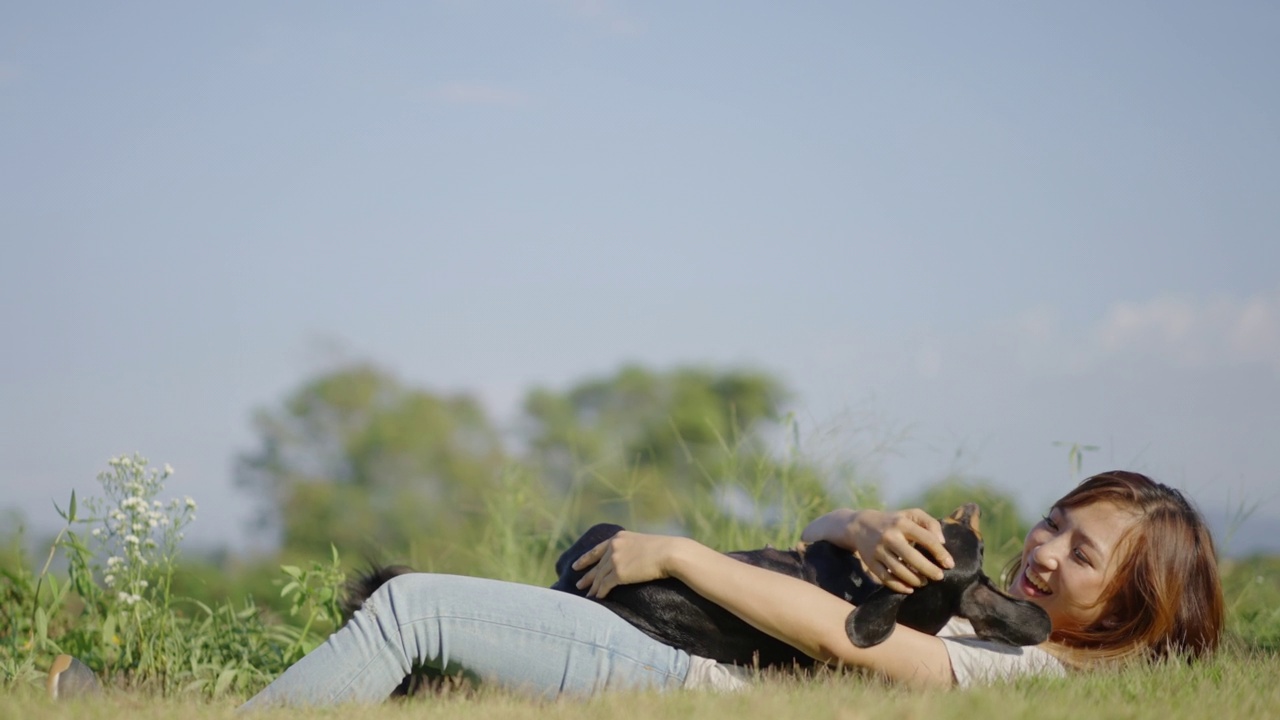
(389, 472)
(385, 470)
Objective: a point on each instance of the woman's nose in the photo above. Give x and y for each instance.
(1042, 556)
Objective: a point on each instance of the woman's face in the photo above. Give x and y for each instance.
(1068, 559)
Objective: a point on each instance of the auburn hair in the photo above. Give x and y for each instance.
(1166, 597)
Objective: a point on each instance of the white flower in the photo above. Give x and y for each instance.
(97, 532)
(114, 560)
(153, 522)
(131, 539)
(191, 503)
(142, 583)
(168, 469)
(109, 579)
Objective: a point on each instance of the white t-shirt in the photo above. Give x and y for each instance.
(973, 662)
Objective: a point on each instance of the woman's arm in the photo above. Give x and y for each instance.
(791, 610)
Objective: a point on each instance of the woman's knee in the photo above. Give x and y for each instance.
(420, 595)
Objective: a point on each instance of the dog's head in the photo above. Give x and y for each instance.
(964, 590)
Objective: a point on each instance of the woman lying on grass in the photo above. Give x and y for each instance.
(1124, 567)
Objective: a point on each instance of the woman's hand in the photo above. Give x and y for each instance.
(886, 543)
(626, 558)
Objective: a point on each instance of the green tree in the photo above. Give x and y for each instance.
(356, 458)
(684, 447)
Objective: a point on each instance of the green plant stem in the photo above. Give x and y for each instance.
(53, 549)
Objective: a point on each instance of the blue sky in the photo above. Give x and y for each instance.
(983, 227)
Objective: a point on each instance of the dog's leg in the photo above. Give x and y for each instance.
(873, 621)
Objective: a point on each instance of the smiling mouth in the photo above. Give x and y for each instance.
(1035, 584)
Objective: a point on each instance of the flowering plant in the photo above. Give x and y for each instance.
(116, 610)
(122, 569)
(136, 532)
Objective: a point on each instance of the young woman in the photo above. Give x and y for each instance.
(1124, 567)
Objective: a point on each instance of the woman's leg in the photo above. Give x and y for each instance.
(521, 637)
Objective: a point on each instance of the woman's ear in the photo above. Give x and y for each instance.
(872, 622)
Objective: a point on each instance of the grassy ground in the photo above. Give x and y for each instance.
(1239, 683)
(208, 662)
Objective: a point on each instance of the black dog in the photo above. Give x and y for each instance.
(672, 613)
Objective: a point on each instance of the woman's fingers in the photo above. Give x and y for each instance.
(928, 534)
(899, 570)
(603, 575)
(604, 582)
(599, 580)
(912, 561)
(591, 556)
(877, 570)
(925, 520)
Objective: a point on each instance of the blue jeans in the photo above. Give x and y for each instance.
(535, 640)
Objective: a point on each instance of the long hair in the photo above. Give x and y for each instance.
(1166, 597)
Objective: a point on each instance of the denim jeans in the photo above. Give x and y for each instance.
(531, 639)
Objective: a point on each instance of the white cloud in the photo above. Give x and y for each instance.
(1169, 331)
(1195, 333)
(477, 94)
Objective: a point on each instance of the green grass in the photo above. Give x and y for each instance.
(1235, 684)
(210, 656)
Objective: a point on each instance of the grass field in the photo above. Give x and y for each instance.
(1238, 683)
(164, 657)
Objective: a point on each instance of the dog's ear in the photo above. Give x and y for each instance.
(996, 616)
(872, 622)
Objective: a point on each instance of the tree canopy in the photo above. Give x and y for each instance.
(357, 458)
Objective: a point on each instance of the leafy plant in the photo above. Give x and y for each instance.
(115, 609)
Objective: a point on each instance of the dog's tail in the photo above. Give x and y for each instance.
(365, 583)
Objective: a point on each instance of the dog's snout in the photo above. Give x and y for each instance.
(968, 514)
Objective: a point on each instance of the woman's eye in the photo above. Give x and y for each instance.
(1082, 557)
(1049, 523)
